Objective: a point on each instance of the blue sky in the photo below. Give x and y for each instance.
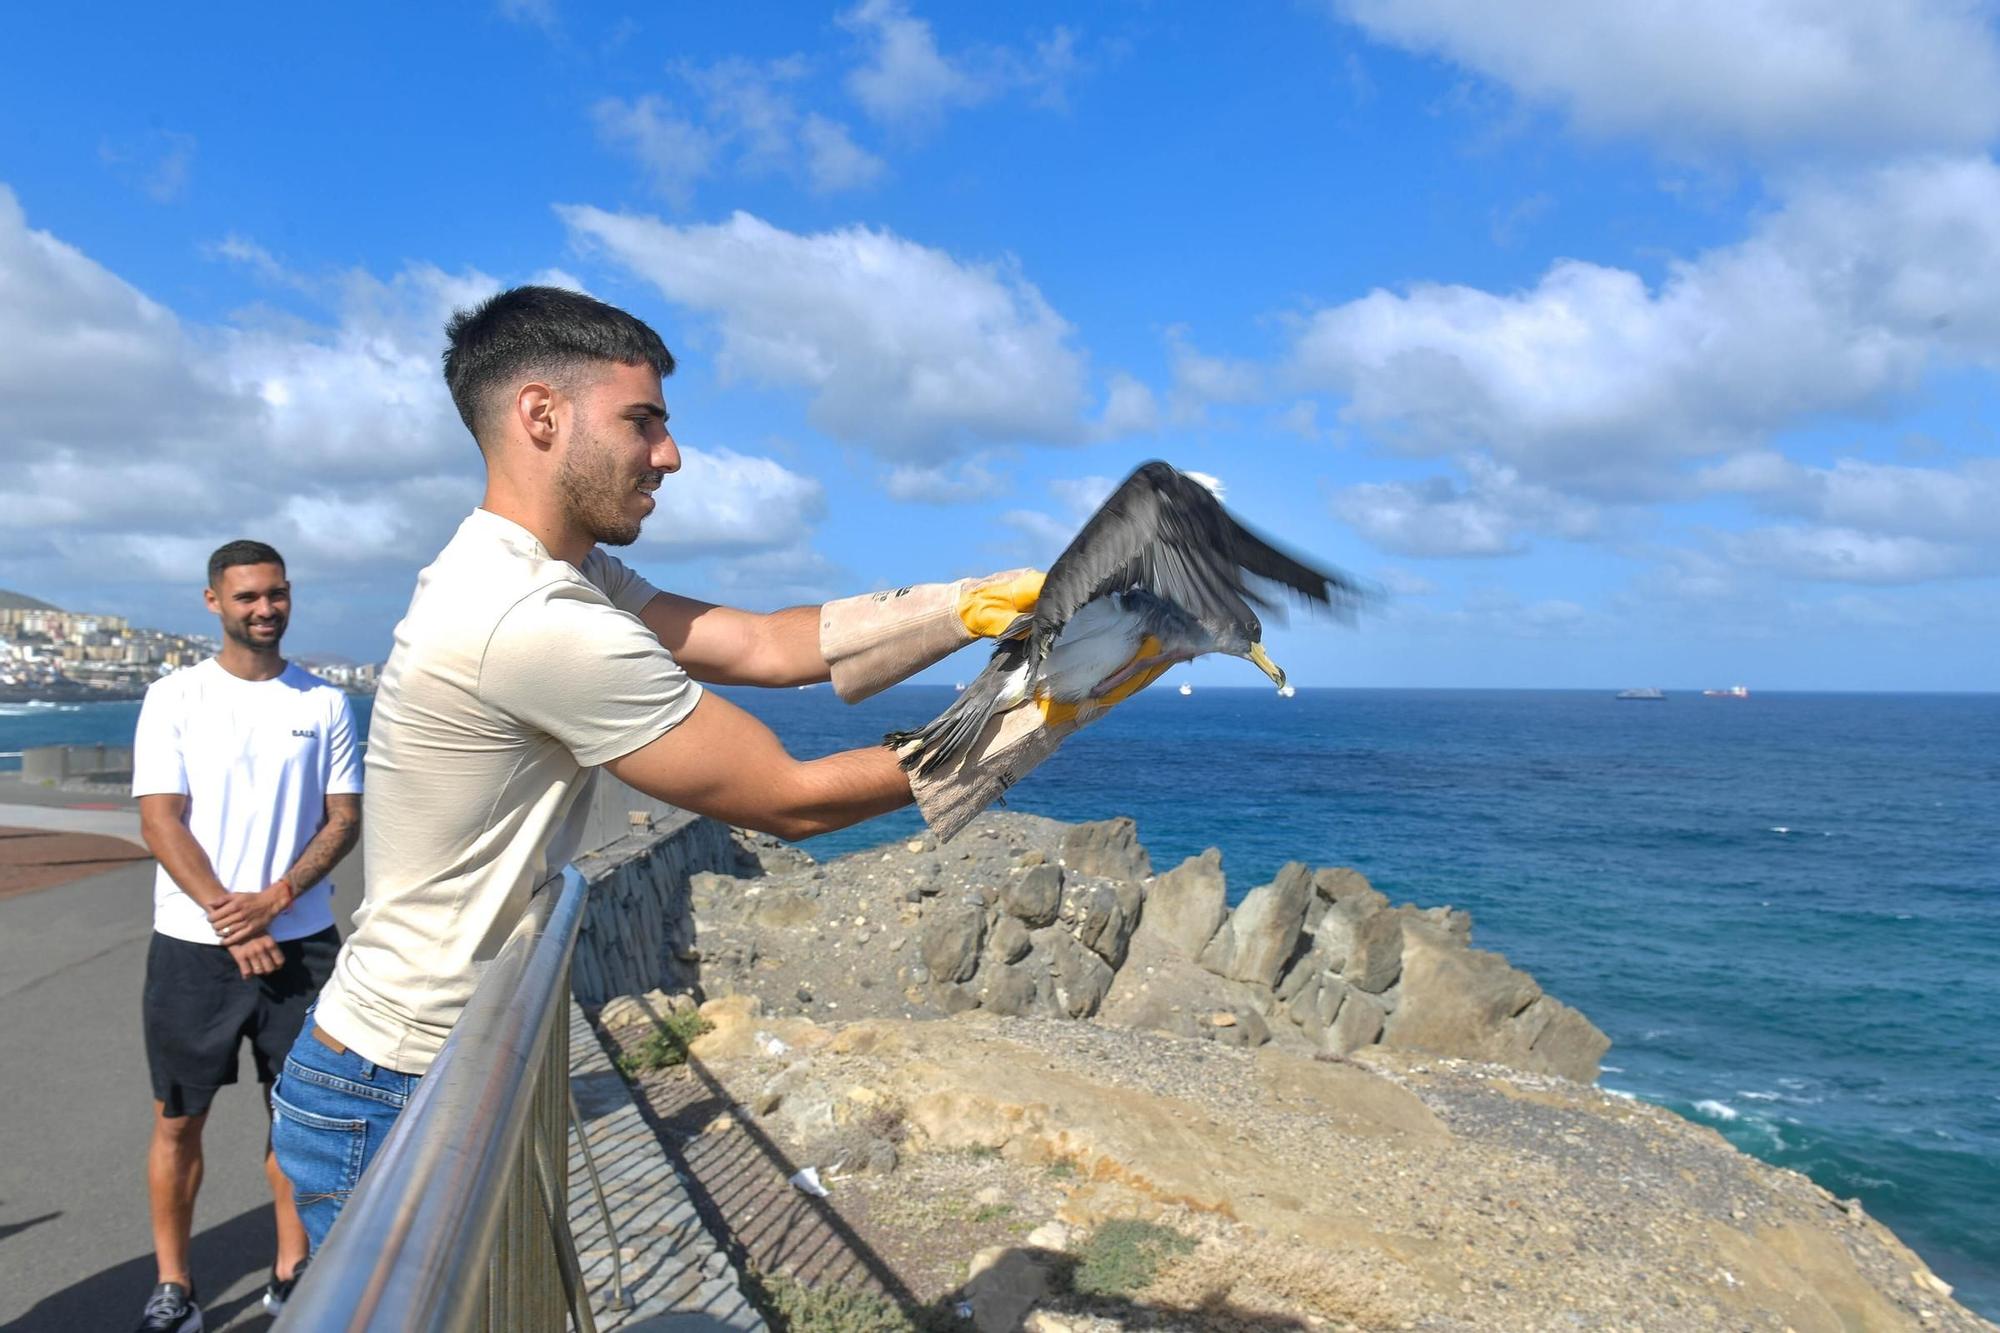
(1615, 349)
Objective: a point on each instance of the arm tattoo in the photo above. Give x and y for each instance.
(334, 840)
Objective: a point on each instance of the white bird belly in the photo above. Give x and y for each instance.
(1097, 642)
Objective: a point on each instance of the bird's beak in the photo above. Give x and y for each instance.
(1266, 665)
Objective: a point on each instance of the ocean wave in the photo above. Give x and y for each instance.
(1716, 1110)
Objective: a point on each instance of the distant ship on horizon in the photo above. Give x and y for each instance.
(1733, 692)
(1646, 693)
(1186, 688)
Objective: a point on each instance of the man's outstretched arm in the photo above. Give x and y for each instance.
(721, 645)
(721, 762)
(862, 644)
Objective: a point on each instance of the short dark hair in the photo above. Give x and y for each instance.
(243, 551)
(539, 331)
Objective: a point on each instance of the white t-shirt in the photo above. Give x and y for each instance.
(256, 760)
(513, 676)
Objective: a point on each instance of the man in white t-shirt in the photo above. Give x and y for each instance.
(249, 782)
(528, 659)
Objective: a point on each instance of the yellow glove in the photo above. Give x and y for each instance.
(989, 606)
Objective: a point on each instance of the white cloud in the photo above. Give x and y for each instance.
(906, 81)
(1487, 613)
(1200, 380)
(1843, 555)
(950, 483)
(134, 444)
(1399, 582)
(741, 115)
(903, 349)
(789, 576)
(1129, 408)
(159, 163)
(833, 161)
(1942, 504)
(1836, 303)
(1301, 419)
(537, 13)
(1080, 496)
(673, 151)
(1494, 513)
(725, 502)
(1045, 536)
(906, 77)
(1766, 75)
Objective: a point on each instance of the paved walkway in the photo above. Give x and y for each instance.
(119, 823)
(677, 1275)
(76, 1110)
(75, 1113)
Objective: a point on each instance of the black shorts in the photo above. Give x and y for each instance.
(199, 1006)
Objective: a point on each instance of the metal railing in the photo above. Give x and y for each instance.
(462, 1219)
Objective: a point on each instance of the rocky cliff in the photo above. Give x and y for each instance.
(1026, 917)
(1340, 1114)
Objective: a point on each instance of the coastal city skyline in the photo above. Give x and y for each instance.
(1650, 359)
(51, 654)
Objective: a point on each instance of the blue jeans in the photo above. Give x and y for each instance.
(331, 1111)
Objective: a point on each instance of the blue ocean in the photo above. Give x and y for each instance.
(1784, 910)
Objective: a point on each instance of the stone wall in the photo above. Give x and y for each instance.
(62, 763)
(638, 926)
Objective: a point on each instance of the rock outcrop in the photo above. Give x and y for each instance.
(1026, 917)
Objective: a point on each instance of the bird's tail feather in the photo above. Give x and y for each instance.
(951, 732)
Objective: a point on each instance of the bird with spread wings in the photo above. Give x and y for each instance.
(1161, 574)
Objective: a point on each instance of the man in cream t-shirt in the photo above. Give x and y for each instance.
(513, 676)
(529, 658)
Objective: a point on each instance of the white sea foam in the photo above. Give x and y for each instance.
(1716, 1110)
(1779, 828)
(1760, 1096)
(1621, 1094)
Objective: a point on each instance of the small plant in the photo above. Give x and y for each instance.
(982, 1152)
(1123, 1256)
(667, 1046)
(790, 1306)
(991, 1212)
(883, 1120)
(1062, 1169)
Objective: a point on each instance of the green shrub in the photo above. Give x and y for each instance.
(1123, 1256)
(668, 1044)
(790, 1306)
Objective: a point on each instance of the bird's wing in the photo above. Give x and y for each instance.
(1167, 533)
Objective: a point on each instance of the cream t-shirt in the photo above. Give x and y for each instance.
(512, 677)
